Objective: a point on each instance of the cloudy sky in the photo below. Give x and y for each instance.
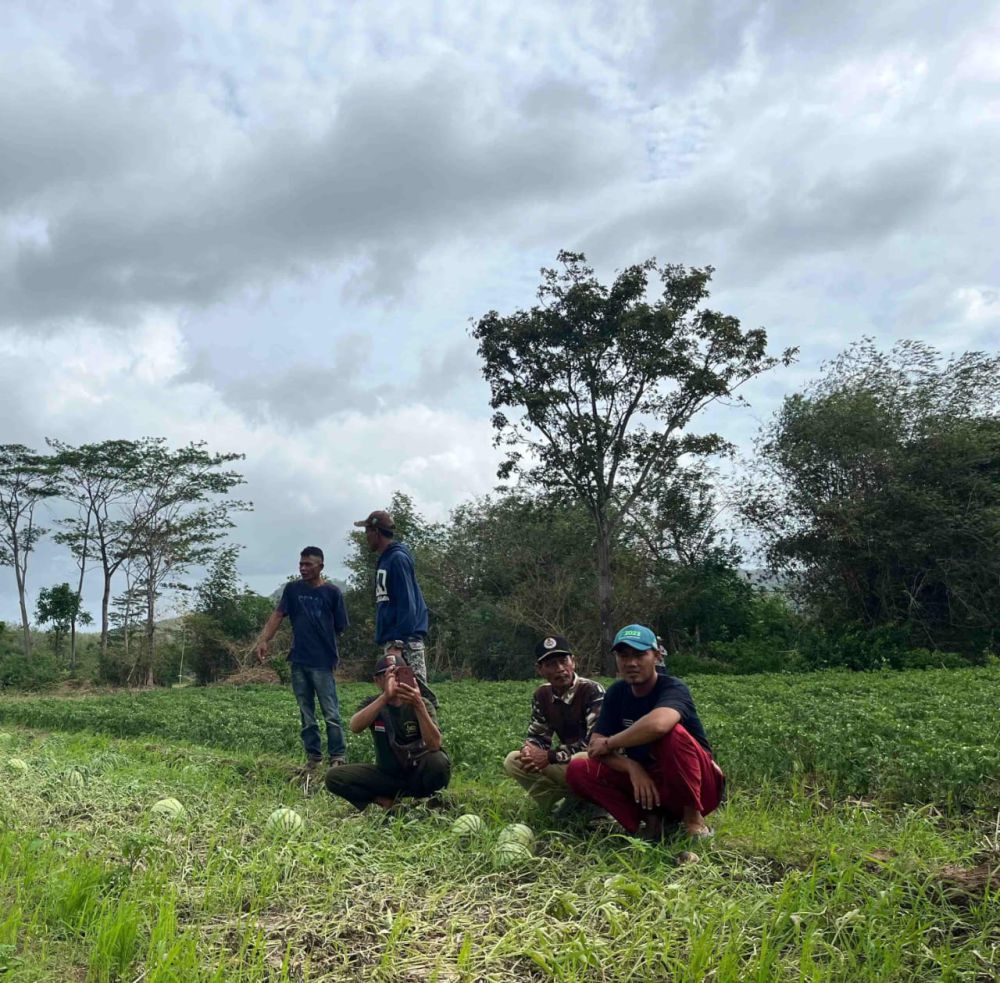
(267, 225)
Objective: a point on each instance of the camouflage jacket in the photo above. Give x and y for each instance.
(570, 717)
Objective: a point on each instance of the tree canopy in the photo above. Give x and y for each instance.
(879, 487)
(595, 387)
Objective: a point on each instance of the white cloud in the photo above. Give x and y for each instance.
(308, 481)
(267, 225)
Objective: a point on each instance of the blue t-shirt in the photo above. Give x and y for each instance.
(318, 616)
(400, 611)
(622, 708)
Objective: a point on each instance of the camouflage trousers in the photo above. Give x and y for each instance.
(413, 654)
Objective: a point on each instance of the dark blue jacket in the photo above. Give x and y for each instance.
(400, 611)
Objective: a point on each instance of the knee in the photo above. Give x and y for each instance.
(577, 771)
(676, 745)
(677, 738)
(512, 764)
(435, 773)
(335, 780)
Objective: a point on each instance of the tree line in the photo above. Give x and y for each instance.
(872, 494)
(138, 511)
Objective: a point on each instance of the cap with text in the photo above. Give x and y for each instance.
(637, 636)
(553, 645)
(377, 520)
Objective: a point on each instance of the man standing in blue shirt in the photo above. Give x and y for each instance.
(318, 615)
(400, 611)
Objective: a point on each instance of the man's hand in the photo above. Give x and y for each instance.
(267, 633)
(598, 746)
(408, 694)
(643, 787)
(391, 686)
(533, 757)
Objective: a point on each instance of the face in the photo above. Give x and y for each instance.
(636, 667)
(310, 567)
(557, 670)
(371, 537)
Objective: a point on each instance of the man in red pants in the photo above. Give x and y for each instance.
(648, 758)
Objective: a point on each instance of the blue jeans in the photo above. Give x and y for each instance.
(307, 684)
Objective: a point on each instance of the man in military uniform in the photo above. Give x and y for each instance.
(566, 707)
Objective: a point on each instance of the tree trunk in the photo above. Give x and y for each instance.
(150, 633)
(105, 620)
(79, 597)
(19, 576)
(606, 598)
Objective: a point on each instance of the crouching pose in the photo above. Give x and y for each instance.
(649, 761)
(566, 706)
(408, 755)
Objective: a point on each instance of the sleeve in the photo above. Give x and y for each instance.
(286, 600)
(592, 710)
(399, 584)
(595, 705)
(340, 621)
(539, 731)
(676, 698)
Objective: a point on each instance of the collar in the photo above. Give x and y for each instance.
(567, 697)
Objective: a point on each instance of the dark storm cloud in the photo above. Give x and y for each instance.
(306, 391)
(400, 164)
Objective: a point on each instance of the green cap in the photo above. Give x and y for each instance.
(638, 636)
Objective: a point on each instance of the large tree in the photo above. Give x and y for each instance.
(177, 514)
(102, 482)
(879, 488)
(26, 479)
(595, 387)
(96, 480)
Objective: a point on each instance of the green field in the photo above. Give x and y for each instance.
(860, 841)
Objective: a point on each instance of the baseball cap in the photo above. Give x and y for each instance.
(377, 520)
(638, 636)
(386, 662)
(552, 645)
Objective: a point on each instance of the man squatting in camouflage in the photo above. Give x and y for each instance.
(567, 706)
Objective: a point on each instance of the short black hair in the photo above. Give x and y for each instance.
(313, 551)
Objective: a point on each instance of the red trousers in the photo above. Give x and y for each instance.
(684, 772)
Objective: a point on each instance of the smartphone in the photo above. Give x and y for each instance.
(404, 675)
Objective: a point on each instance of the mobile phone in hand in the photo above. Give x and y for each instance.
(404, 675)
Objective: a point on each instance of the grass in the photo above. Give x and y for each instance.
(831, 860)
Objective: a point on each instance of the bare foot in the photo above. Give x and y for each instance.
(694, 823)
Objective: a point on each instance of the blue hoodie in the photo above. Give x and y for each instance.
(400, 611)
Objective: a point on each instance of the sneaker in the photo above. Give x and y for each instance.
(312, 764)
(337, 762)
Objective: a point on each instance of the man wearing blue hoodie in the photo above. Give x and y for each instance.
(400, 611)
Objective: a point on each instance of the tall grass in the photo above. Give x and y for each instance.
(818, 870)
